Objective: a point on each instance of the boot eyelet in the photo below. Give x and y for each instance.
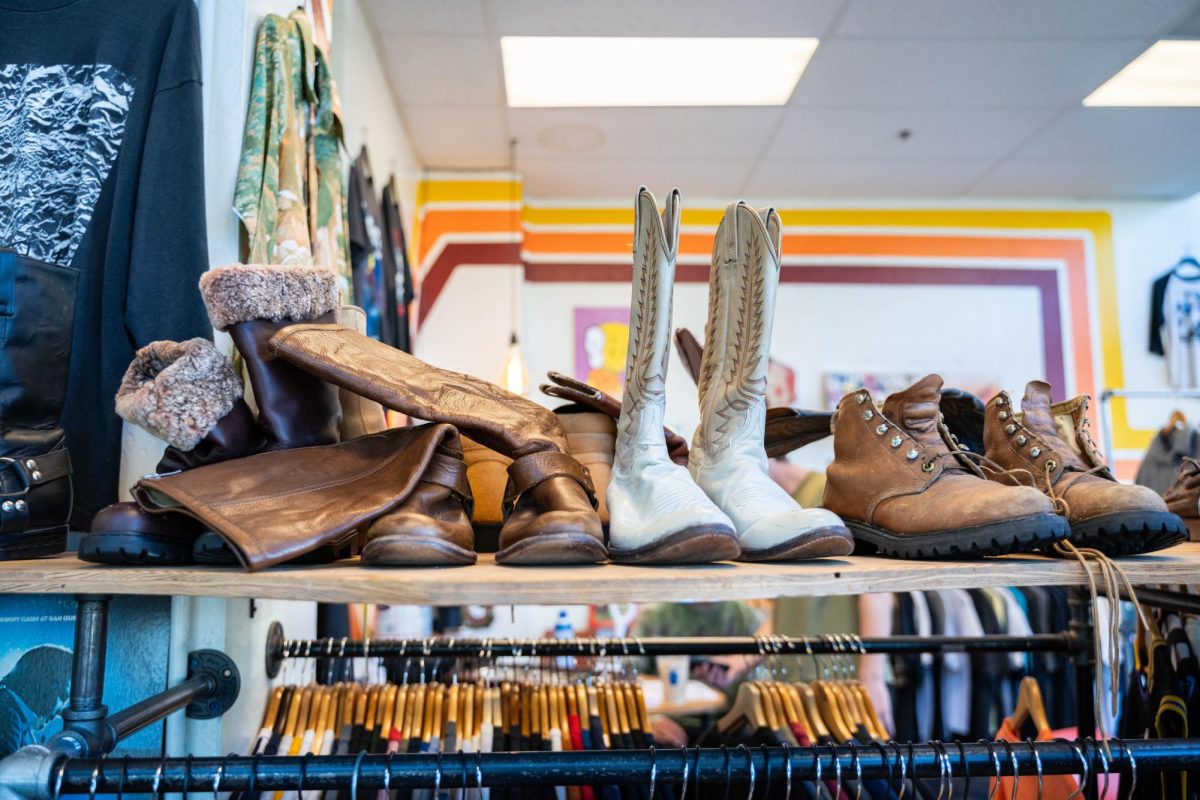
(897, 441)
(868, 414)
(962, 446)
(7, 505)
(20, 505)
(1022, 439)
(912, 454)
(1010, 429)
(881, 428)
(1003, 415)
(927, 466)
(862, 398)
(30, 464)
(1035, 452)
(36, 475)
(1000, 400)
(1051, 465)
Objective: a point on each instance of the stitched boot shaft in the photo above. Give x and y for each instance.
(37, 313)
(549, 508)
(657, 512)
(432, 527)
(1050, 442)
(727, 457)
(187, 394)
(904, 488)
(252, 302)
(1183, 496)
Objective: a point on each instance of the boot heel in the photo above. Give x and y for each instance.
(33, 543)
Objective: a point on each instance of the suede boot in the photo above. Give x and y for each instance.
(1183, 496)
(727, 457)
(1050, 442)
(37, 312)
(906, 490)
(657, 512)
(549, 505)
(251, 302)
(187, 394)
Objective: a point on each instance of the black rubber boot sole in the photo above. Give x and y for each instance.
(1130, 533)
(36, 543)
(697, 544)
(135, 549)
(1019, 535)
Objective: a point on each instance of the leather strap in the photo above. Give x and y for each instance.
(36, 470)
(529, 471)
(450, 472)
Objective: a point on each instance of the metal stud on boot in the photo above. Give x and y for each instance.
(727, 458)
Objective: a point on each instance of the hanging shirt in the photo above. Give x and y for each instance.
(109, 182)
(400, 290)
(289, 193)
(1179, 330)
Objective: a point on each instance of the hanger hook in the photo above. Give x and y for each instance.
(787, 771)
(1132, 768)
(728, 769)
(856, 765)
(437, 778)
(1012, 757)
(1037, 761)
(355, 774)
(219, 775)
(187, 774)
(1083, 783)
(941, 762)
(653, 771)
(1101, 751)
(837, 772)
(94, 782)
(124, 775)
(253, 775)
(684, 777)
(479, 771)
(749, 769)
(155, 784)
(387, 772)
(903, 771)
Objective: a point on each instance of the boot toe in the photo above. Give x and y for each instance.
(796, 535)
(409, 539)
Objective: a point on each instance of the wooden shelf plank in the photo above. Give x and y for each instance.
(486, 583)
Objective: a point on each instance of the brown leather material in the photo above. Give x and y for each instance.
(895, 468)
(360, 416)
(432, 527)
(487, 472)
(1183, 496)
(295, 408)
(274, 506)
(128, 517)
(588, 396)
(789, 429)
(558, 503)
(499, 419)
(690, 351)
(592, 439)
(235, 435)
(1029, 440)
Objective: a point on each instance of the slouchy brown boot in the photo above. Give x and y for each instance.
(1051, 443)
(1183, 496)
(549, 504)
(187, 394)
(251, 302)
(905, 489)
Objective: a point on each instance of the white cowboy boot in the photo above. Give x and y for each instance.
(657, 514)
(728, 459)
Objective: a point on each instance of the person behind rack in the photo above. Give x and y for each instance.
(729, 618)
(32, 695)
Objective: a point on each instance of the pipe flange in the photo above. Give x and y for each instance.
(224, 677)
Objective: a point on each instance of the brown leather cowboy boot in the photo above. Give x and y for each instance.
(1183, 496)
(1050, 442)
(905, 489)
(187, 394)
(549, 504)
(432, 527)
(253, 301)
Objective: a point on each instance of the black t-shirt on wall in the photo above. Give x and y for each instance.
(101, 170)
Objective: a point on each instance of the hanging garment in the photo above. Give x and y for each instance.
(289, 193)
(371, 257)
(400, 291)
(1054, 787)
(1175, 314)
(101, 173)
(1165, 455)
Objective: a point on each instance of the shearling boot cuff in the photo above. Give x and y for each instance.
(242, 292)
(178, 390)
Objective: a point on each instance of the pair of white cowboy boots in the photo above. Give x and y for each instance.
(723, 505)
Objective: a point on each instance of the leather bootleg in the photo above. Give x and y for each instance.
(275, 506)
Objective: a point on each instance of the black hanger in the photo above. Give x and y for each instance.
(1187, 261)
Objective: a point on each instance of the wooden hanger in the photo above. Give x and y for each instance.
(747, 709)
(1030, 706)
(1176, 420)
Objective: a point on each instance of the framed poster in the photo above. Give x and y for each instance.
(601, 339)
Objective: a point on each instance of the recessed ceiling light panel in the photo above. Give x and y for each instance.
(560, 71)
(1168, 74)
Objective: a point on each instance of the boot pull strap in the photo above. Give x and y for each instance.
(529, 471)
(450, 472)
(36, 470)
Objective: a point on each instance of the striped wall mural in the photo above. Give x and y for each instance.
(1066, 256)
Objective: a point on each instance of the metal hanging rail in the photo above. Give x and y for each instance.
(764, 765)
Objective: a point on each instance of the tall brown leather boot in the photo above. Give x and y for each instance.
(251, 302)
(187, 394)
(1051, 443)
(905, 489)
(549, 504)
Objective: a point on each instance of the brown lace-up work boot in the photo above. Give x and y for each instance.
(905, 489)
(1051, 442)
(1183, 497)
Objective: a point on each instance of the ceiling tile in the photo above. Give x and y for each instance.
(677, 18)
(644, 133)
(458, 137)
(606, 180)
(1122, 133)
(414, 17)
(861, 133)
(1010, 19)
(857, 178)
(1077, 178)
(445, 70)
(959, 74)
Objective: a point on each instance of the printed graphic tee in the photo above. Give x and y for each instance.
(1178, 323)
(101, 170)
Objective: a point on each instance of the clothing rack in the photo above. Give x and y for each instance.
(1107, 395)
(766, 766)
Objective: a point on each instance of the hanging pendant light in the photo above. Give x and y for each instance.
(515, 375)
